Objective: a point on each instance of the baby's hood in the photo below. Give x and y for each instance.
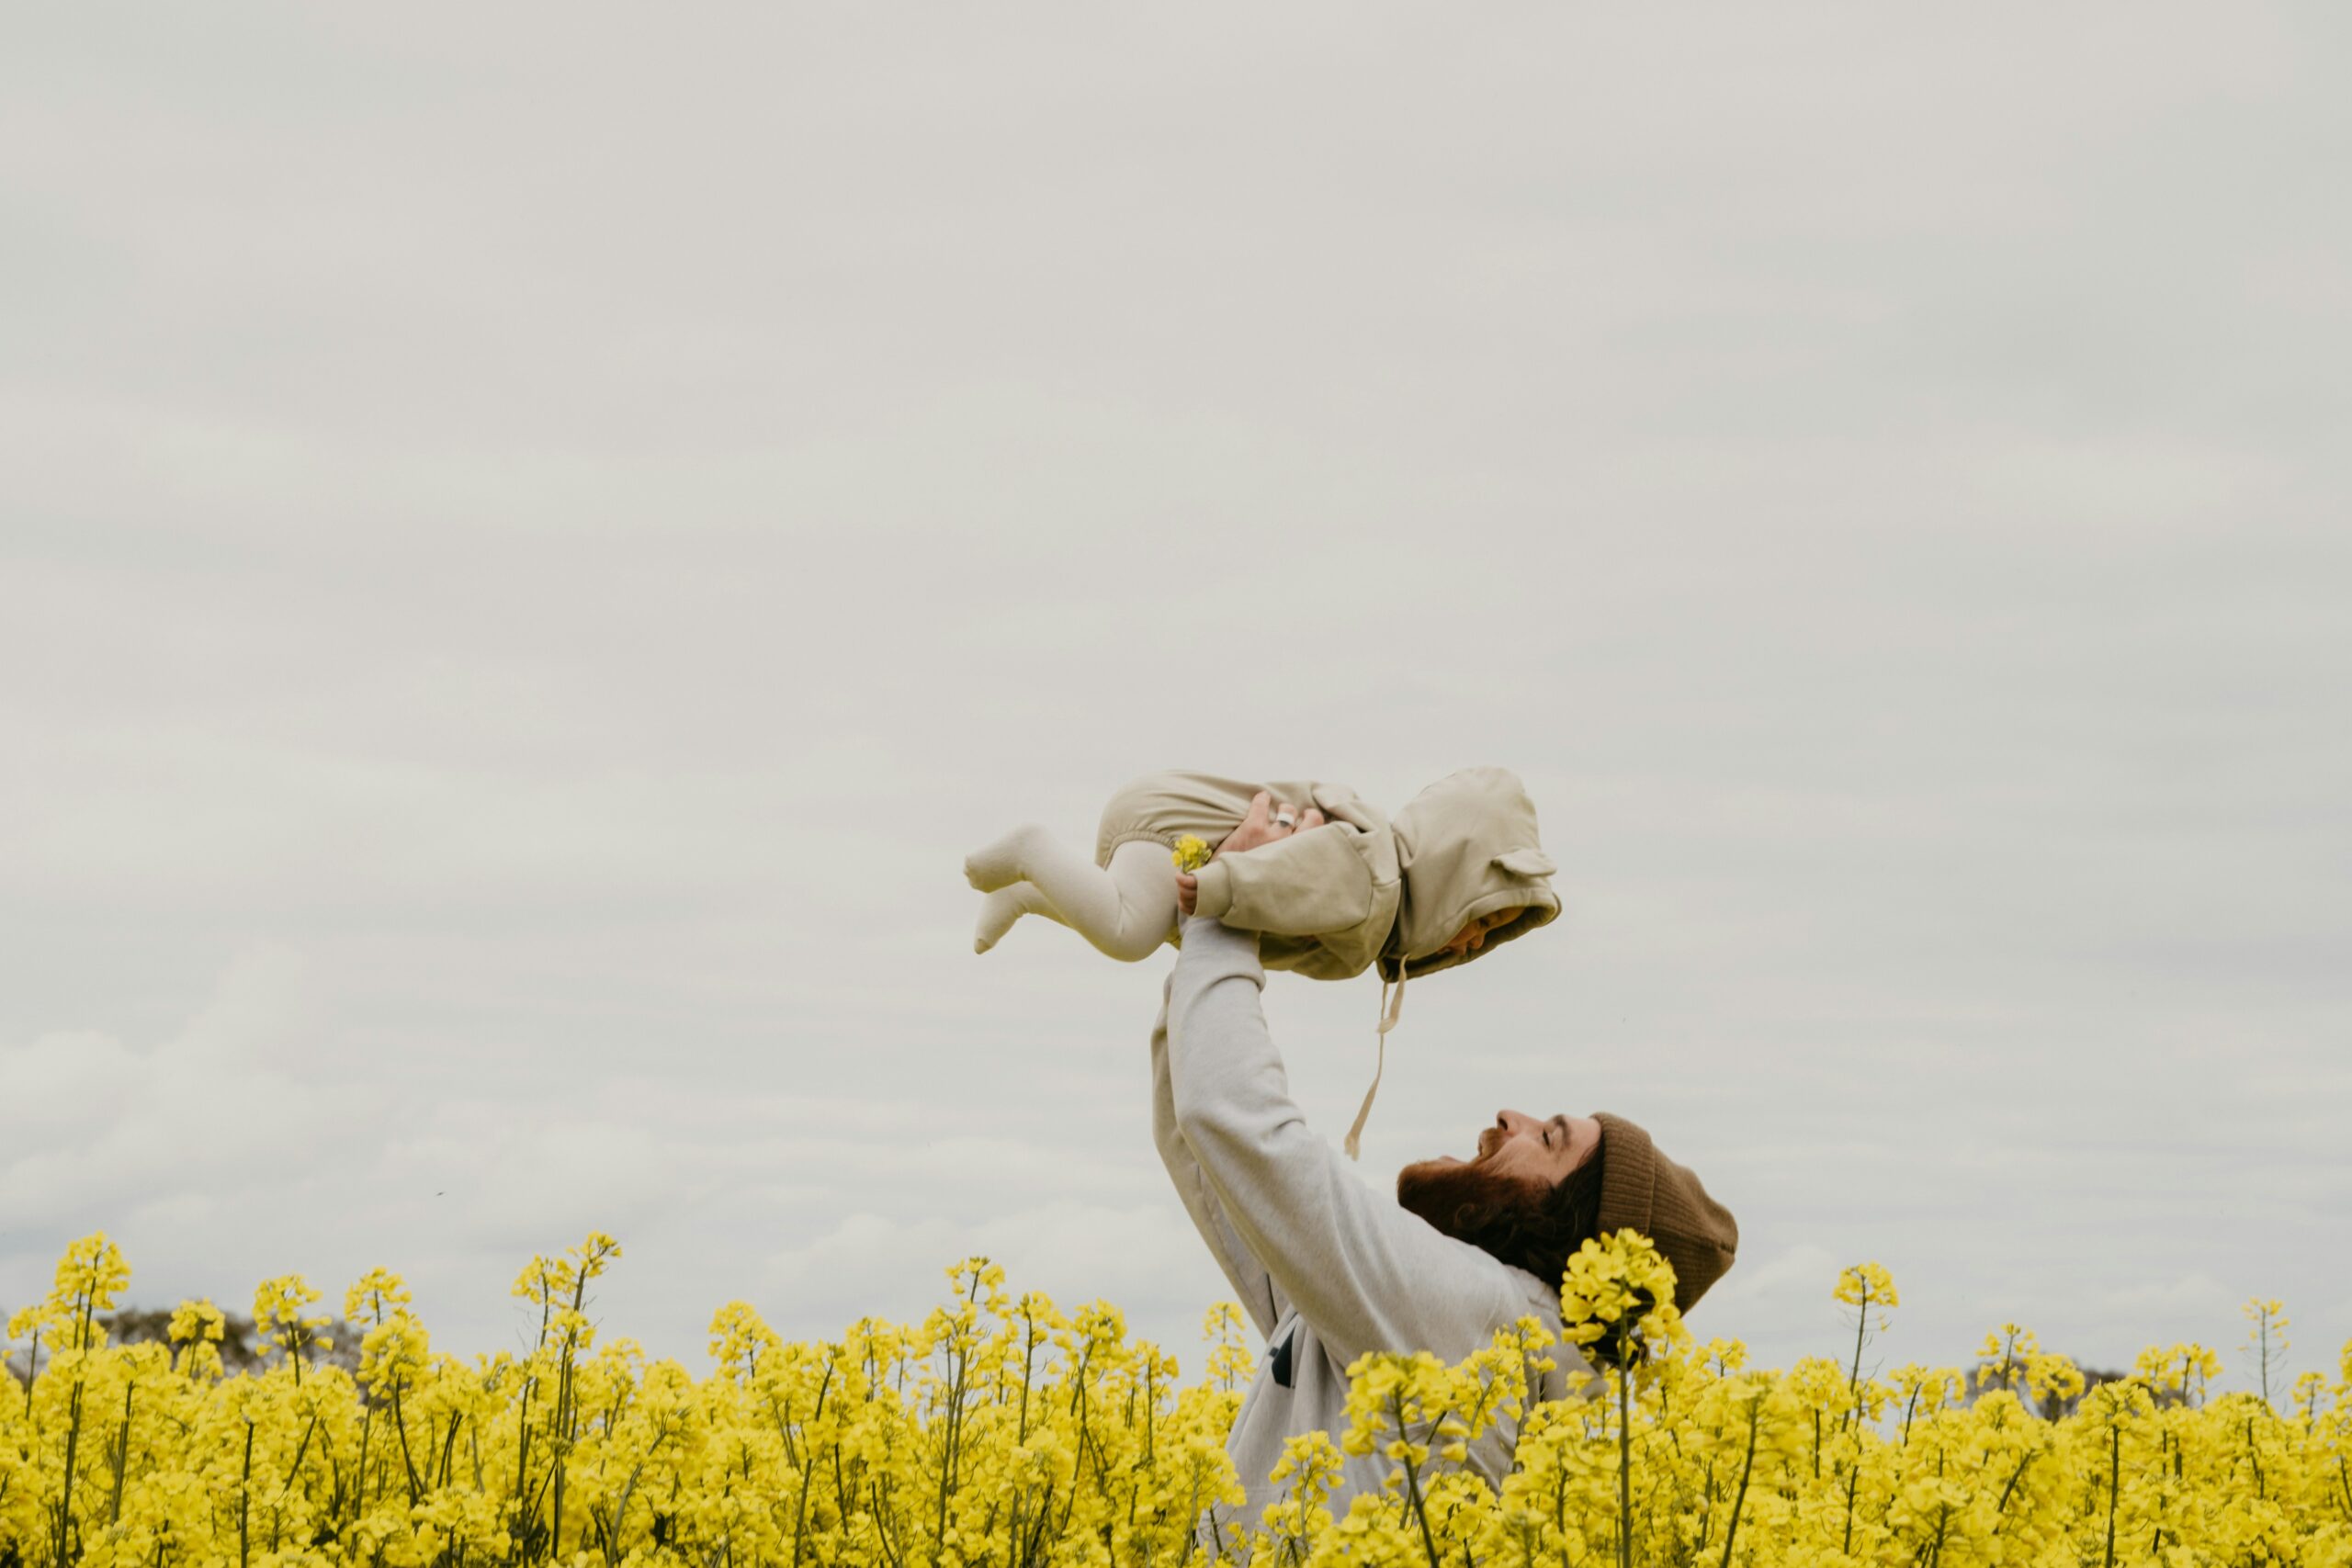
(1466, 846)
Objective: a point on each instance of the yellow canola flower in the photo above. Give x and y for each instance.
(2053, 1380)
(1190, 853)
(87, 1278)
(196, 1320)
(2179, 1371)
(1000, 1429)
(1866, 1284)
(282, 1317)
(374, 1295)
(1618, 1300)
(196, 1331)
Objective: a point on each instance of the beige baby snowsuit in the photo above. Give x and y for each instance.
(1359, 891)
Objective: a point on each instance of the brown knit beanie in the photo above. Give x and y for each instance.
(1643, 1190)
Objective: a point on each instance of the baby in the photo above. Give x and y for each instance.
(1459, 870)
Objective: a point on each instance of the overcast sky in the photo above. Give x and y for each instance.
(535, 539)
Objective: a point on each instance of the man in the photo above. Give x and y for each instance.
(1328, 1268)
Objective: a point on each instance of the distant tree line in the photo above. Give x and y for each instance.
(241, 1348)
(1986, 1376)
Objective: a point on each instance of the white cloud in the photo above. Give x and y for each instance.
(2192, 1296)
(1804, 1269)
(230, 1096)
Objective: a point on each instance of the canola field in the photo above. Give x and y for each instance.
(1002, 1430)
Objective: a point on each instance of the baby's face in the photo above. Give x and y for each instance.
(1473, 936)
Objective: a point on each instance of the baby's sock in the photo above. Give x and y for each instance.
(1003, 862)
(1001, 907)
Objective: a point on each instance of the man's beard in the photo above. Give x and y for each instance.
(1462, 1199)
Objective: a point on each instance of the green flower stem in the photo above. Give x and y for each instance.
(244, 1501)
(1626, 1467)
(1862, 1327)
(1746, 1469)
(2114, 1488)
(121, 1456)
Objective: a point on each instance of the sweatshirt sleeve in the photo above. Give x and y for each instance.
(1302, 885)
(1251, 1283)
(1366, 1273)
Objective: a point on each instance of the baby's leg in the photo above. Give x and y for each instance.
(1125, 911)
(1006, 861)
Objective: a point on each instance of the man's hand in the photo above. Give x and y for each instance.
(1258, 827)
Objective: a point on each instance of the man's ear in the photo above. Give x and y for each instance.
(1526, 863)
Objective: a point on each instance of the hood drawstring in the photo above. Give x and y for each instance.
(1389, 1012)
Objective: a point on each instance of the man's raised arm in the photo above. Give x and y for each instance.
(1366, 1274)
(1250, 1283)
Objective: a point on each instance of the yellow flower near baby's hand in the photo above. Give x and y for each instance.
(1190, 854)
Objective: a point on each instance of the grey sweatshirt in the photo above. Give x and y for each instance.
(1327, 1268)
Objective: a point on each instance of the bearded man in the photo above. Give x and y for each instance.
(1327, 1268)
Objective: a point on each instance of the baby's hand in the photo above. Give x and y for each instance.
(1260, 827)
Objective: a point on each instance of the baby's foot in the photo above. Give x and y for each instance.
(998, 910)
(999, 865)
